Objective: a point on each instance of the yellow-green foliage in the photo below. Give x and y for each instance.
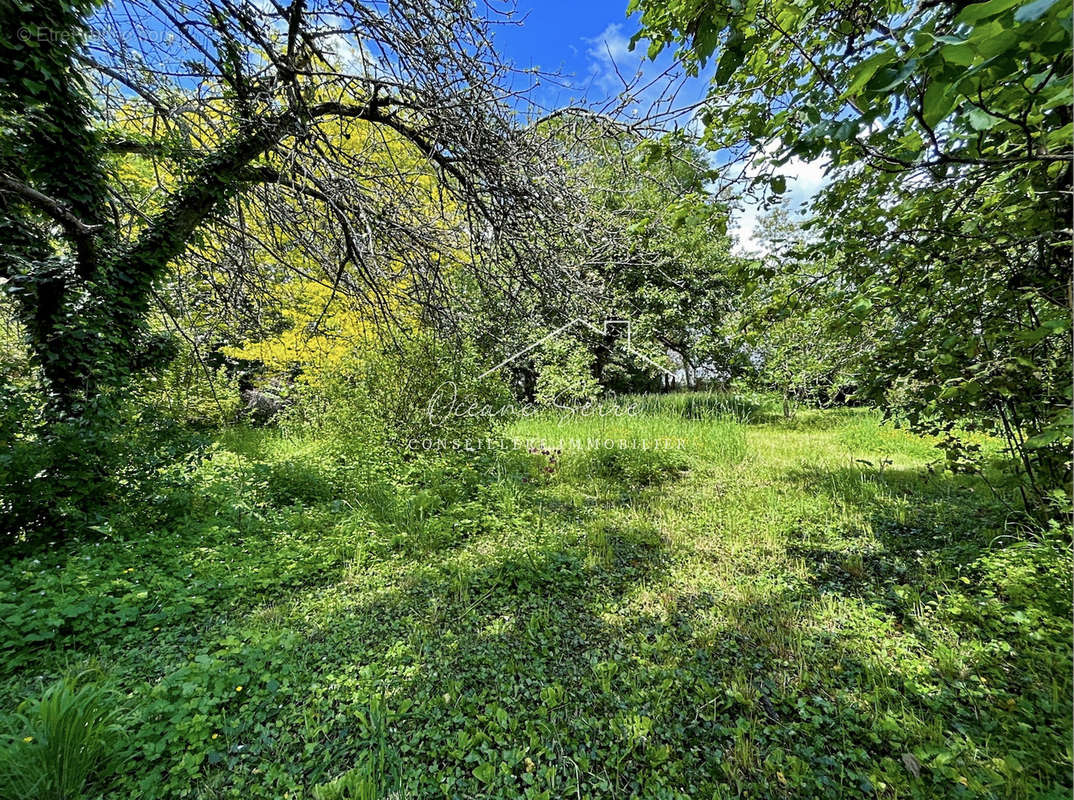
(323, 324)
(324, 335)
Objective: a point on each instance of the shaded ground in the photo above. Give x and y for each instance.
(764, 610)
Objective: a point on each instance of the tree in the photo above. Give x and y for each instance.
(677, 284)
(241, 100)
(788, 315)
(666, 266)
(947, 127)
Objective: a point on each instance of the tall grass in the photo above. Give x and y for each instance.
(698, 405)
(657, 431)
(61, 742)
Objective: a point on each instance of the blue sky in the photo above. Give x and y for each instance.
(573, 39)
(587, 45)
(586, 42)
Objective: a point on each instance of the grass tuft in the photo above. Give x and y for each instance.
(61, 742)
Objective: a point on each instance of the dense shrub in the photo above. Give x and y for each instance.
(188, 389)
(64, 479)
(417, 390)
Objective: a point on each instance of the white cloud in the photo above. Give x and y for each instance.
(610, 58)
(804, 180)
(744, 230)
(611, 43)
(656, 90)
(352, 57)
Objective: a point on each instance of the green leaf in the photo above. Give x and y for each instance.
(485, 772)
(860, 75)
(982, 120)
(992, 39)
(846, 131)
(778, 184)
(890, 78)
(1063, 95)
(958, 54)
(1044, 438)
(937, 103)
(731, 59)
(979, 11)
(1049, 327)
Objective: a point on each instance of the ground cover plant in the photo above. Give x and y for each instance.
(699, 607)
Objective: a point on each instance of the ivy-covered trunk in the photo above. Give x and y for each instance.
(57, 282)
(82, 294)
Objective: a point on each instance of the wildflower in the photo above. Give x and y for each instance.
(215, 735)
(238, 688)
(28, 739)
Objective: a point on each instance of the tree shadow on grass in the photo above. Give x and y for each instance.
(832, 686)
(185, 554)
(807, 689)
(911, 509)
(975, 616)
(779, 697)
(494, 636)
(467, 655)
(232, 590)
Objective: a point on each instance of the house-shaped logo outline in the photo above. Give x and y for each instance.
(580, 321)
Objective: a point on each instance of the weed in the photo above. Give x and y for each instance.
(61, 742)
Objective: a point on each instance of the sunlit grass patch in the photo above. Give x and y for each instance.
(757, 613)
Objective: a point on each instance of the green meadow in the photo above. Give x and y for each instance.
(695, 599)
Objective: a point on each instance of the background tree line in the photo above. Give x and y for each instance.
(353, 206)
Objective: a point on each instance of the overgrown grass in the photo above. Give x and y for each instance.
(702, 406)
(61, 742)
(671, 605)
